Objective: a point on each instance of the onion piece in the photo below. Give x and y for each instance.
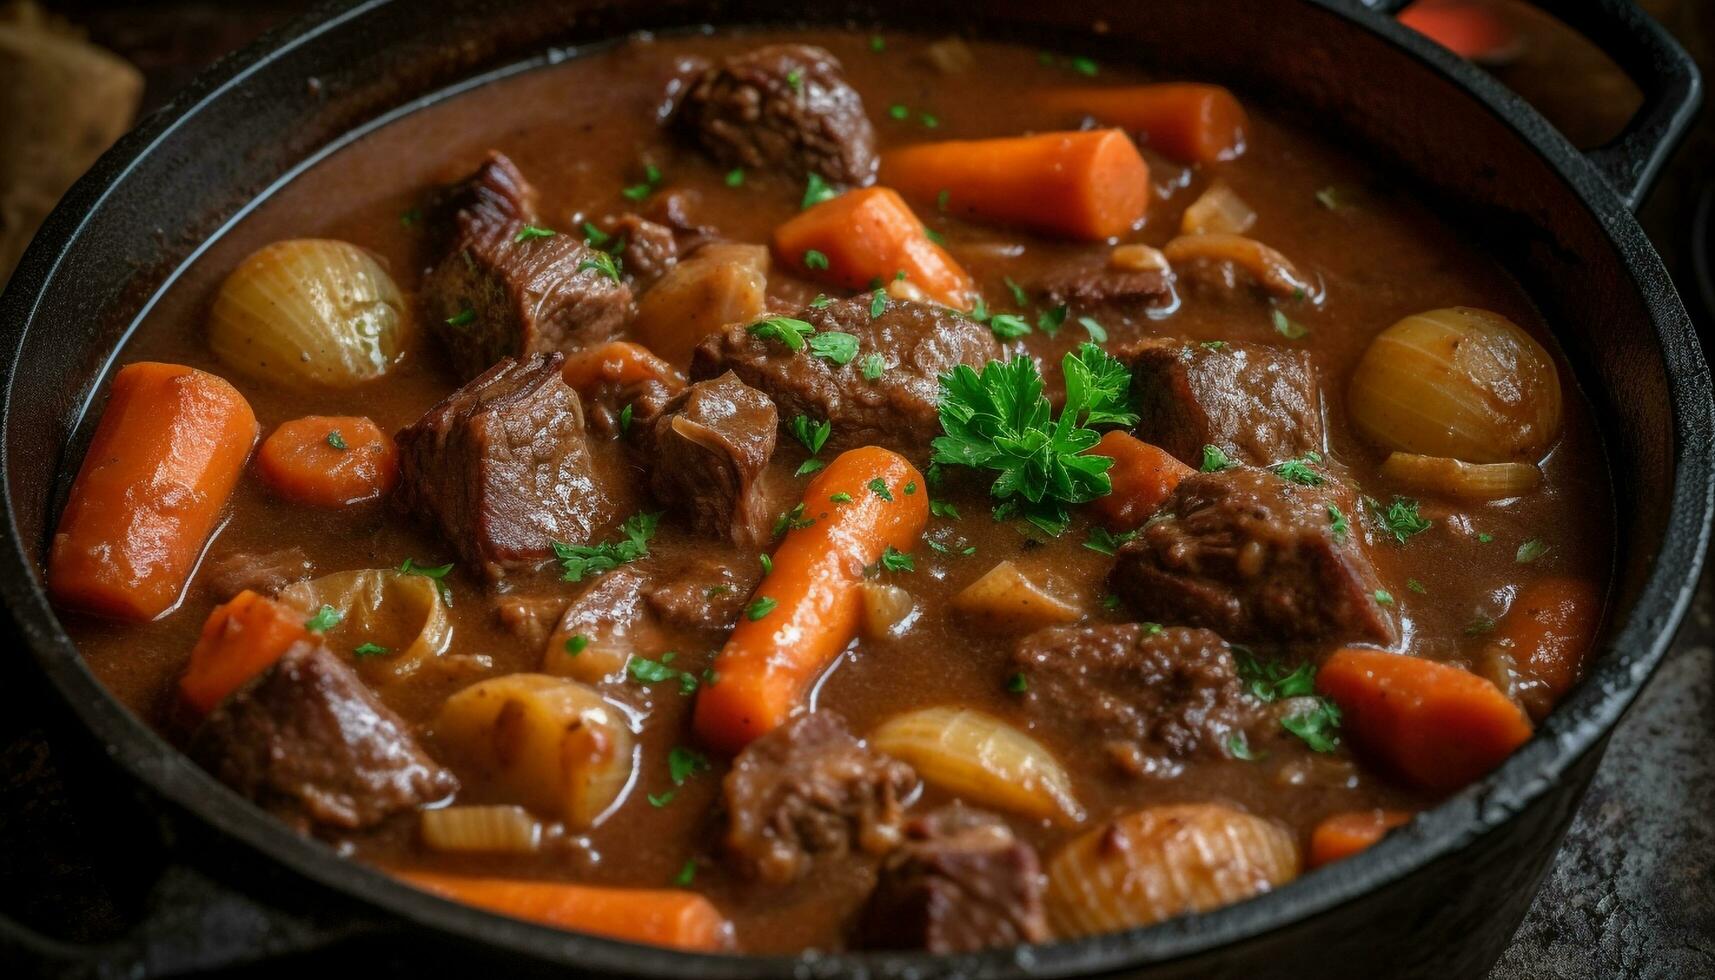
(1004, 599)
(390, 623)
(1271, 270)
(310, 310)
(1218, 210)
(1459, 382)
(1137, 257)
(978, 757)
(718, 284)
(885, 607)
(1456, 478)
(1162, 862)
(551, 744)
(481, 830)
(950, 56)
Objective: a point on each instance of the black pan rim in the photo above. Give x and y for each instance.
(1637, 642)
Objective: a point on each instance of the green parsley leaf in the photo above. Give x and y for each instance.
(590, 560)
(1270, 680)
(1050, 321)
(683, 763)
(943, 508)
(1299, 470)
(1019, 296)
(1153, 629)
(934, 235)
(766, 561)
(793, 520)
(594, 236)
(878, 486)
(651, 181)
(1485, 537)
(1383, 597)
(1318, 726)
(1400, 518)
(365, 650)
(894, 560)
(1006, 326)
(795, 78)
(436, 574)
(462, 318)
(835, 346)
(910, 487)
(942, 198)
(929, 120)
(577, 643)
(1329, 197)
(840, 498)
(814, 259)
(532, 232)
(1001, 420)
(1338, 526)
(1110, 602)
(1097, 332)
(783, 329)
(336, 440)
(1083, 66)
(820, 302)
(809, 466)
(1018, 683)
(411, 217)
(1238, 747)
(877, 304)
(1416, 586)
(625, 418)
(877, 43)
(603, 263)
(646, 671)
(816, 190)
(1530, 551)
(660, 801)
(760, 608)
(735, 177)
(873, 366)
(814, 435)
(1215, 460)
(898, 111)
(1212, 344)
(687, 874)
(1285, 326)
(326, 618)
(1102, 541)
(1479, 626)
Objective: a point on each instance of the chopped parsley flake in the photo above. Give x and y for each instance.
(1416, 586)
(795, 78)
(436, 574)
(735, 177)
(1007, 326)
(603, 263)
(792, 520)
(326, 618)
(816, 190)
(820, 301)
(660, 801)
(1300, 470)
(877, 43)
(1384, 597)
(898, 111)
(841, 498)
(1104, 542)
(1286, 326)
(878, 486)
(1485, 537)
(1239, 747)
(590, 560)
(462, 318)
(577, 643)
(687, 873)
(336, 440)
(651, 181)
(877, 304)
(894, 560)
(625, 418)
(1400, 518)
(1050, 321)
(1530, 551)
(941, 199)
(1093, 327)
(835, 346)
(1018, 683)
(1338, 526)
(766, 561)
(1215, 460)
(809, 466)
(760, 608)
(1019, 295)
(1479, 626)
(814, 435)
(943, 508)
(910, 487)
(533, 232)
(683, 763)
(1270, 680)
(814, 259)
(1110, 602)
(365, 650)
(782, 329)
(1318, 727)
(873, 366)
(411, 217)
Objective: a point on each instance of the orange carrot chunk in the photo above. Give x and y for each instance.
(1469, 30)
(1185, 120)
(1438, 726)
(617, 362)
(867, 236)
(806, 610)
(166, 454)
(1548, 630)
(328, 461)
(1344, 834)
(659, 917)
(1143, 476)
(1089, 184)
(239, 640)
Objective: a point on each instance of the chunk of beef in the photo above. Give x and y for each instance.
(707, 450)
(959, 883)
(1091, 281)
(492, 295)
(1256, 557)
(918, 342)
(503, 467)
(311, 744)
(1153, 696)
(645, 249)
(266, 572)
(1258, 403)
(808, 790)
(703, 594)
(785, 106)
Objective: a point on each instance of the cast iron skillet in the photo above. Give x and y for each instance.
(1438, 899)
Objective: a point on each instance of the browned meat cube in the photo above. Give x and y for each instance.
(961, 882)
(1257, 403)
(646, 249)
(503, 467)
(497, 291)
(703, 594)
(311, 744)
(917, 342)
(1091, 282)
(808, 790)
(708, 448)
(1154, 696)
(1253, 556)
(784, 106)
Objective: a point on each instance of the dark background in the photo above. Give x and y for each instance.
(1629, 895)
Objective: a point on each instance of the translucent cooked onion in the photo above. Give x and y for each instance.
(1459, 382)
(1005, 599)
(1163, 862)
(982, 759)
(481, 830)
(1217, 211)
(1270, 269)
(548, 743)
(1138, 257)
(390, 624)
(885, 607)
(1455, 478)
(718, 284)
(310, 310)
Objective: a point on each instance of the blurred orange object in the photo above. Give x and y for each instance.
(1469, 28)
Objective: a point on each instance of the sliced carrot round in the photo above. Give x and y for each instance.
(328, 461)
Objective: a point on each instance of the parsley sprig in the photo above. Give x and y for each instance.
(1001, 420)
(580, 560)
(1318, 724)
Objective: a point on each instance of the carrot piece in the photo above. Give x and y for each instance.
(658, 916)
(1469, 30)
(1144, 476)
(239, 640)
(1548, 630)
(1344, 834)
(1185, 120)
(1089, 184)
(328, 461)
(870, 235)
(166, 454)
(807, 608)
(1438, 726)
(617, 362)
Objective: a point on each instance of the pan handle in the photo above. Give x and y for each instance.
(1668, 78)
